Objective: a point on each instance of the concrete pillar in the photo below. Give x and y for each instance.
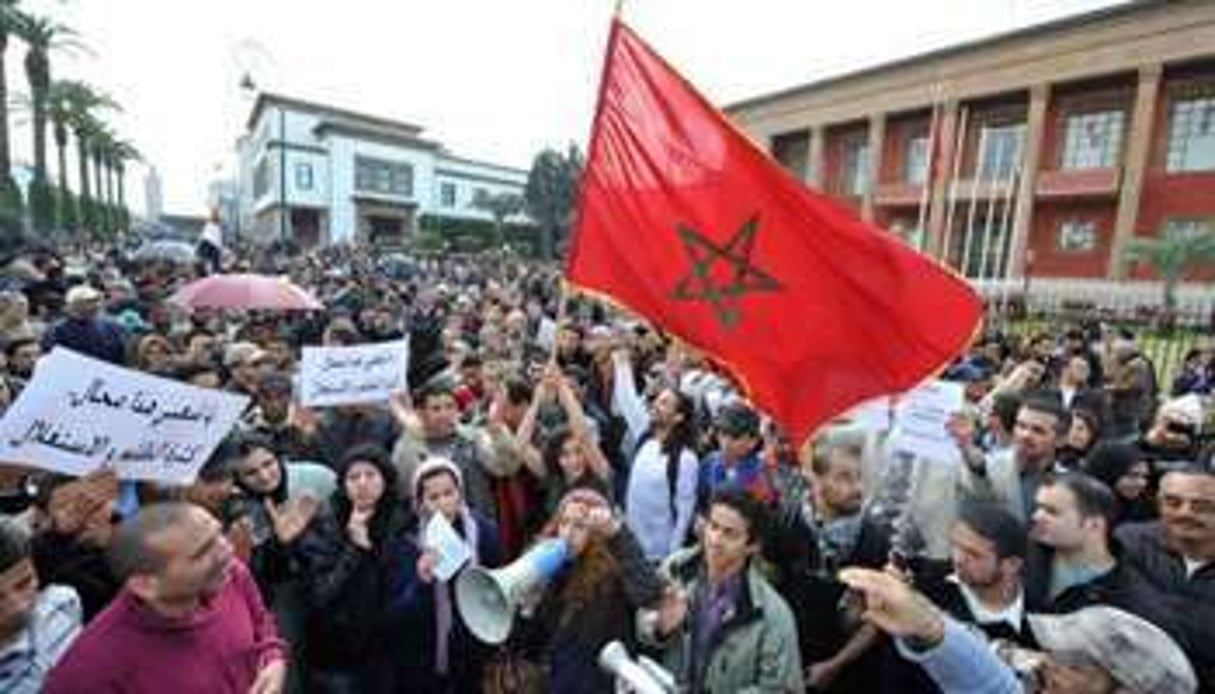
(1023, 213)
(947, 133)
(814, 162)
(877, 137)
(1138, 148)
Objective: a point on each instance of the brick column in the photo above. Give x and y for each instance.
(1023, 213)
(1138, 148)
(877, 137)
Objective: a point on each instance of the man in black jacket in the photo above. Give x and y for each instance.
(1176, 556)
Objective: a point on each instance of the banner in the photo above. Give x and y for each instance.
(348, 375)
(79, 414)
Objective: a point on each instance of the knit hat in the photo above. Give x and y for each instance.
(431, 466)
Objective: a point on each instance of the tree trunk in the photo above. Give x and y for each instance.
(39, 73)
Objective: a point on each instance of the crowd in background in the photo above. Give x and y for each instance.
(1071, 547)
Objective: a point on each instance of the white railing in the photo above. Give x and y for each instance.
(1051, 293)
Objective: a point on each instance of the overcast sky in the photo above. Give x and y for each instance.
(491, 79)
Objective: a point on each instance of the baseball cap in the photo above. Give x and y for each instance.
(1137, 654)
(81, 293)
(242, 353)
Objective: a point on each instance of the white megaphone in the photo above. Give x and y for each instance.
(641, 677)
(488, 599)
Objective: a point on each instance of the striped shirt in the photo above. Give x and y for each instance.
(53, 625)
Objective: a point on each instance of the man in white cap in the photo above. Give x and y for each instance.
(83, 329)
(1096, 650)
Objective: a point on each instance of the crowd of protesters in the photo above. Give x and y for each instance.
(1071, 548)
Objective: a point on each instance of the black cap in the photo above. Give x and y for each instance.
(737, 419)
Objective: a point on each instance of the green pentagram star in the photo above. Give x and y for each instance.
(698, 285)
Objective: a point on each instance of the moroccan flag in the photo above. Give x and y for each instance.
(682, 220)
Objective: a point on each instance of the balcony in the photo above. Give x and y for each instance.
(898, 195)
(1078, 183)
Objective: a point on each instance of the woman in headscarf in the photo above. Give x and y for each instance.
(1125, 470)
(435, 650)
(276, 503)
(348, 557)
(594, 598)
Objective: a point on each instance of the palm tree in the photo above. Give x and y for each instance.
(85, 125)
(41, 35)
(100, 144)
(69, 103)
(1171, 256)
(10, 198)
(123, 152)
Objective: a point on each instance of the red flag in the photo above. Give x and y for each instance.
(682, 220)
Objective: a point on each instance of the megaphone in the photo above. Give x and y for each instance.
(488, 599)
(641, 677)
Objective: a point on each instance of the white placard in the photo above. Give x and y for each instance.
(920, 417)
(873, 415)
(79, 414)
(348, 375)
(450, 550)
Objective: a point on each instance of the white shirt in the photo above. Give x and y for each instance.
(1193, 566)
(213, 235)
(1013, 615)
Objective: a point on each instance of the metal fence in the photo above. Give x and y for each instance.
(1166, 337)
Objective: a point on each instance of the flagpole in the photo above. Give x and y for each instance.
(926, 194)
(989, 222)
(976, 181)
(1014, 194)
(952, 197)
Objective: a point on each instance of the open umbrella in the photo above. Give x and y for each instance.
(245, 291)
(173, 251)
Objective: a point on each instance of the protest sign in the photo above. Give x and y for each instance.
(920, 417)
(348, 375)
(451, 552)
(872, 415)
(79, 414)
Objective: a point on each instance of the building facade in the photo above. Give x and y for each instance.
(1040, 152)
(318, 174)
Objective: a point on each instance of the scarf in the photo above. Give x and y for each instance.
(443, 596)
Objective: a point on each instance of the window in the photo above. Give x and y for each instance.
(792, 151)
(1077, 236)
(303, 176)
(915, 161)
(1186, 226)
(1192, 134)
(261, 178)
(480, 196)
(1000, 150)
(447, 194)
(855, 179)
(379, 176)
(1093, 140)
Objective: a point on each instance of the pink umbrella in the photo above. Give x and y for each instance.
(245, 291)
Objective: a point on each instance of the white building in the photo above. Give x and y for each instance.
(319, 174)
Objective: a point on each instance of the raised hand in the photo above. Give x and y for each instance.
(290, 519)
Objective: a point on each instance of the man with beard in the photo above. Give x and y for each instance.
(1012, 477)
(986, 587)
(1176, 556)
(188, 618)
(36, 626)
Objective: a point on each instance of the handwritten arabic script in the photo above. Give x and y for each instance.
(78, 414)
(348, 375)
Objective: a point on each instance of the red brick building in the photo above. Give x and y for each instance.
(1052, 145)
